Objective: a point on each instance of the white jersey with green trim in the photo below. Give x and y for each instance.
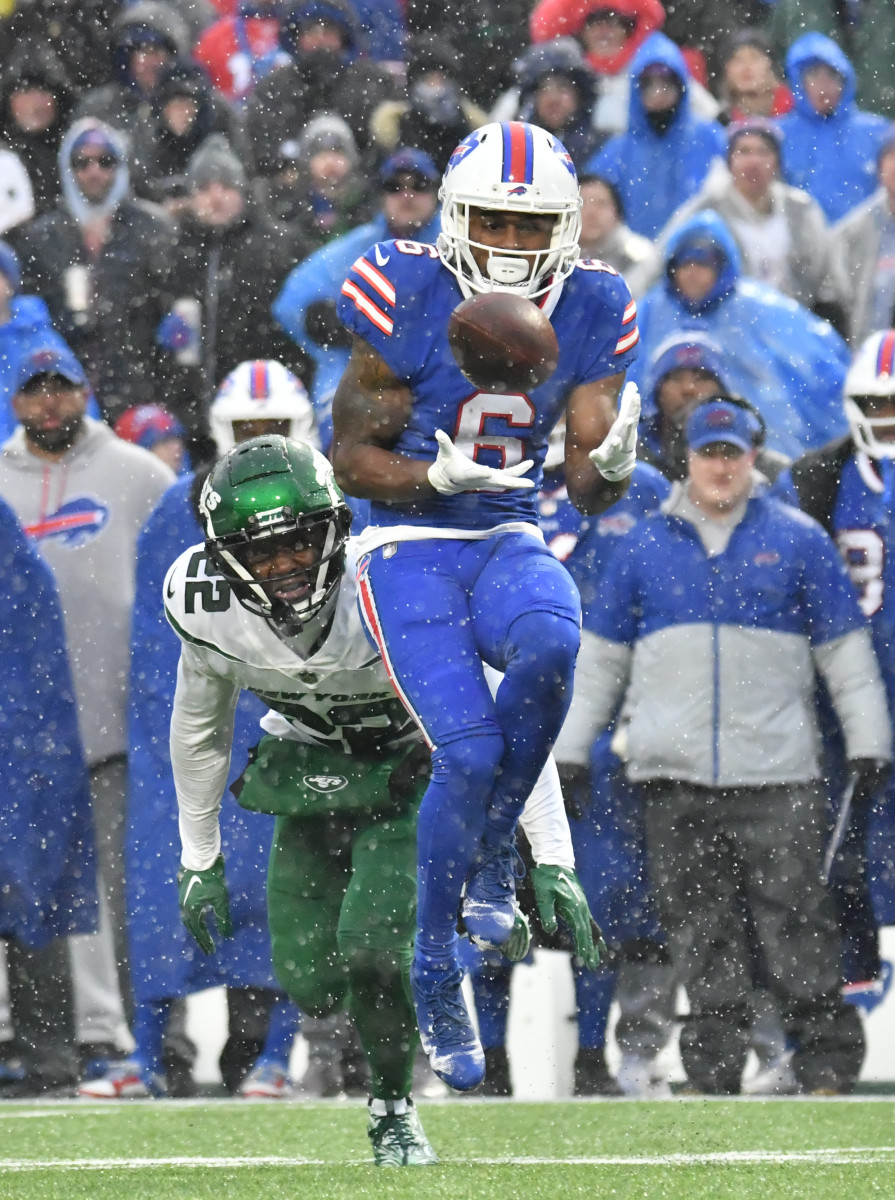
(339, 696)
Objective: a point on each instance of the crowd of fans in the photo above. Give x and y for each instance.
(184, 185)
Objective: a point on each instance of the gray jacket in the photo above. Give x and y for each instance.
(817, 274)
(856, 242)
(85, 513)
(723, 705)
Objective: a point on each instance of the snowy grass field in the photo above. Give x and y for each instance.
(693, 1149)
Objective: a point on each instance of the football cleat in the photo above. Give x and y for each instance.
(489, 907)
(266, 1081)
(397, 1135)
(128, 1080)
(446, 1032)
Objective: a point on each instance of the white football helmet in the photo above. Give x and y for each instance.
(872, 374)
(262, 390)
(510, 165)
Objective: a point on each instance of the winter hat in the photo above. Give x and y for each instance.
(326, 131)
(409, 162)
(768, 131)
(215, 162)
(10, 266)
(97, 137)
(148, 424)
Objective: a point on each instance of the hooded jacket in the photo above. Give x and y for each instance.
(120, 103)
(656, 173)
(557, 18)
(790, 364)
(29, 324)
(35, 64)
(834, 157)
(562, 57)
(107, 307)
(84, 513)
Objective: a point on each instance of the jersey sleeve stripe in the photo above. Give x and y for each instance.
(629, 340)
(629, 314)
(368, 308)
(376, 280)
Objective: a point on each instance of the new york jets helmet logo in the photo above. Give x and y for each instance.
(325, 783)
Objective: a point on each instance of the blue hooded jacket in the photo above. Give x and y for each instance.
(47, 866)
(165, 961)
(790, 364)
(834, 157)
(656, 174)
(320, 277)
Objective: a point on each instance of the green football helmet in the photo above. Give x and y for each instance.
(269, 500)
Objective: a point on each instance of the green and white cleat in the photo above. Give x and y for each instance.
(397, 1136)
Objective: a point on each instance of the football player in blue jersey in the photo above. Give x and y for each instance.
(849, 487)
(454, 571)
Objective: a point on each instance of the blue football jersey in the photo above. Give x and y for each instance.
(398, 297)
(864, 529)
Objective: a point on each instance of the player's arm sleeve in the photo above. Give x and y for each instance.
(613, 352)
(601, 676)
(201, 739)
(545, 823)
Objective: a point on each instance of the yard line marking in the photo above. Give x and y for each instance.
(844, 1156)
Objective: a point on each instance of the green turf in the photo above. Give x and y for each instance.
(489, 1151)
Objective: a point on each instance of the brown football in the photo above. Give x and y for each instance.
(502, 343)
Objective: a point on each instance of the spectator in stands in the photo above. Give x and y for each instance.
(306, 306)
(239, 50)
(35, 105)
(703, 29)
(435, 115)
(100, 260)
(46, 845)
(830, 146)
(864, 245)
(664, 156)
(604, 234)
(76, 31)
(155, 429)
(750, 83)
(229, 262)
(82, 496)
(610, 32)
(684, 371)
(558, 90)
(321, 190)
(787, 362)
(185, 112)
(146, 37)
(726, 584)
(781, 231)
(324, 75)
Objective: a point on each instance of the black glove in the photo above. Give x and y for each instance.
(576, 785)
(871, 777)
(323, 326)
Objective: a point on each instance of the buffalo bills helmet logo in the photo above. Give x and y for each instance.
(73, 524)
(469, 143)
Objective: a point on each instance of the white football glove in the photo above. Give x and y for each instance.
(616, 455)
(454, 472)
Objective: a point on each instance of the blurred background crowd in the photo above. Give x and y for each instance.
(183, 187)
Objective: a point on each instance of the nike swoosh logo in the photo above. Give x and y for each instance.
(381, 258)
(169, 591)
(189, 888)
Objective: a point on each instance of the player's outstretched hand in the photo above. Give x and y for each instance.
(616, 455)
(559, 894)
(454, 472)
(199, 891)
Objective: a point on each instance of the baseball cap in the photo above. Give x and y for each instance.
(50, 359)
(409, 161)
(721, 421)
(148, 424)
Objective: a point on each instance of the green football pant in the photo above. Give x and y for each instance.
(341, 895)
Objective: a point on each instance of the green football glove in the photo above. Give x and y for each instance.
(517, 944)
(199, 891)
(559, 894)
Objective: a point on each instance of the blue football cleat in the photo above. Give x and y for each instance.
(489, 906)
(446, 1032)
